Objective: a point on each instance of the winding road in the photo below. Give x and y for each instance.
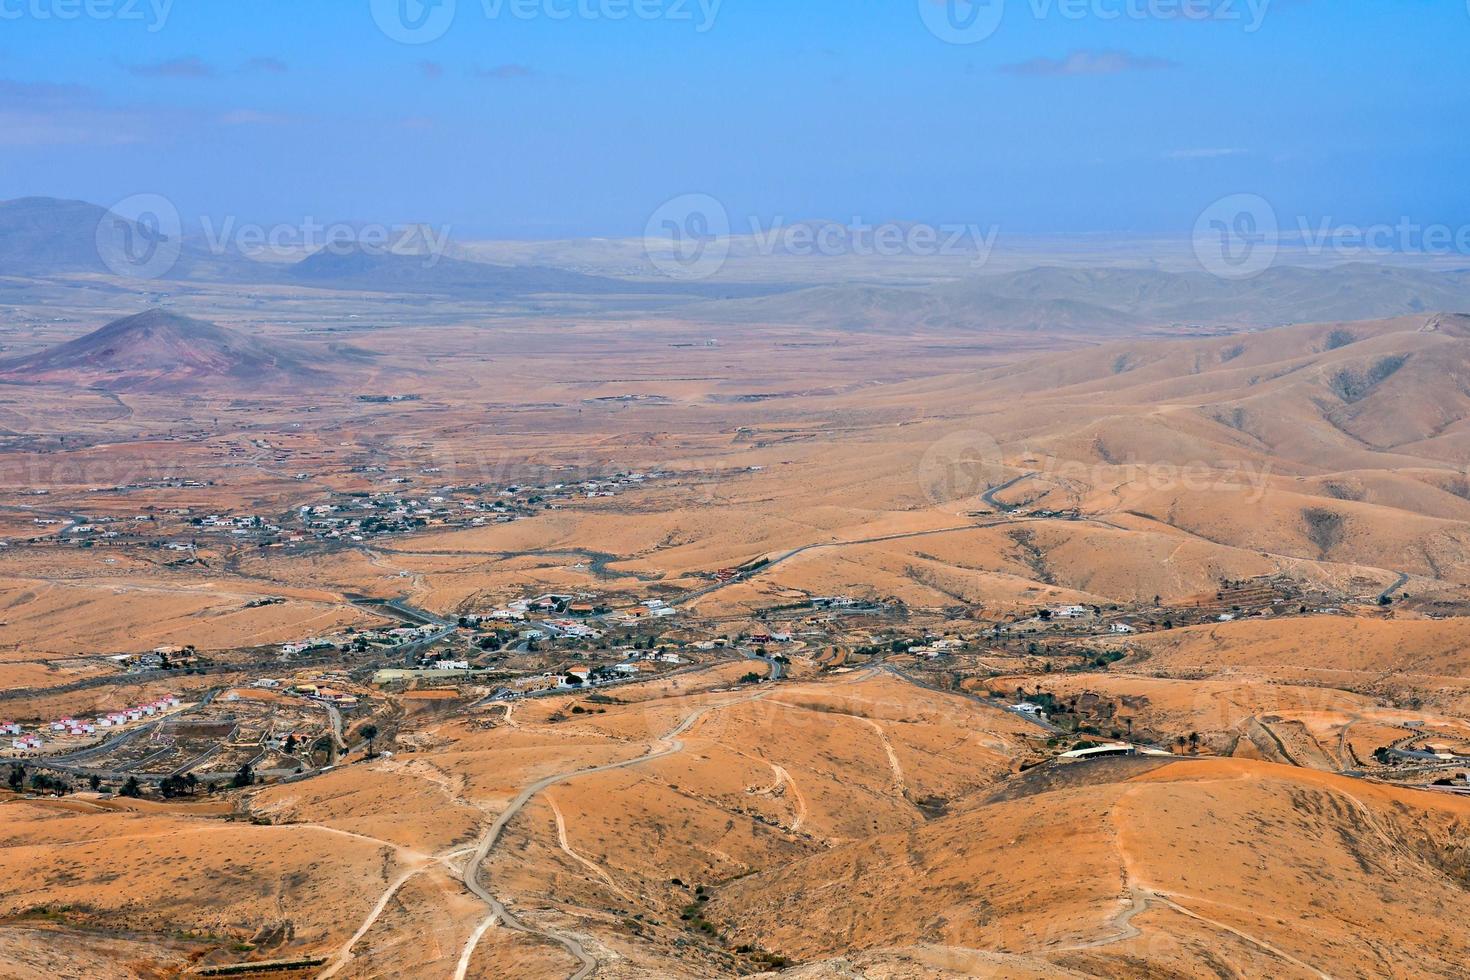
(989, 495)
(785, 555)
(1387, 594)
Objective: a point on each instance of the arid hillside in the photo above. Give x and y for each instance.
(162, 351)
(677, 647)
(698, 828)
(1140, 870)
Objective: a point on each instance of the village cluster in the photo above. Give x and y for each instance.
(359, 639)
(357, 516)
(343, 516)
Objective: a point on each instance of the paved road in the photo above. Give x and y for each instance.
(771, 662)
(122, 738)
(989, 495)
(1387, 593)
(785, 555)
(405, 610)
(102, 748)
(334, 717)
(402, 606)
(498, 912)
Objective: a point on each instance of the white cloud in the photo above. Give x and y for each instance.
(1086, 61)
(1206, 153)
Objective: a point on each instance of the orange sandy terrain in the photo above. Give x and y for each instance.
(849, 818)
(1152, 869)
(871, 812)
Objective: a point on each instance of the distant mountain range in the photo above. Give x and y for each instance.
(363, 267)
(43, 236)
(1111, 301)
(47, 237)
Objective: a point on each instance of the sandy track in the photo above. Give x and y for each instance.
(783, 778)
(796, 797)
(900, 784)
(590, 865)
(1142, 895)
(1261, 944)
(499, 913)
(344, 955)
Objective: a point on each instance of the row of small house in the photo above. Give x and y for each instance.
(82, 727)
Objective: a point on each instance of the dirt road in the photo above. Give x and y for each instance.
(498, 913)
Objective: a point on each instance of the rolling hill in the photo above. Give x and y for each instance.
(358, 266)
(1112, 302)
(43, 236)
(157, 350)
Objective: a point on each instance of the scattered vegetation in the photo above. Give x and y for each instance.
(1324, 528)
(1352, 386)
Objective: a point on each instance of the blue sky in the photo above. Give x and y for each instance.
(1065, 119)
